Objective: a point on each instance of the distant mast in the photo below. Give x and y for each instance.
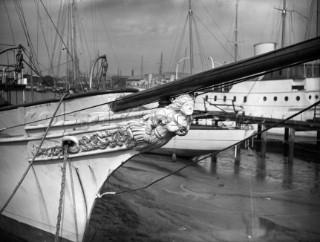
(236, 35)
(73, 41)
(141, 71)
(160, 67)
(284, 15)
(284, 11)
(318, 19)
(190, 14)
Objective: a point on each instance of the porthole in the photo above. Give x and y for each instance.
(316, 96)
(215, 98)
(224, 98)
(310, 97)
(244, 99)
(234, 98)
(286, 98)
(264, 98)
(298, 98)
(275, 98)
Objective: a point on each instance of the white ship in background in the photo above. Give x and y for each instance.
(205, 139)
(277, 94)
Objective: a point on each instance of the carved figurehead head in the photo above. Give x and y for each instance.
(160, 126)
(184, 104)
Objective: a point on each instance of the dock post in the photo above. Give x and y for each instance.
(258, 143)
(318, 139)
(214, 159)
(263, 142)
(291, 145)
(237, 153)
(286, 141)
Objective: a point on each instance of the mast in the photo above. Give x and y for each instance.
(309, 20)
(74, 43)
(141, 71)
(283, 14)
(190, 15)
(160, 68)
(68, 45)
(318, 19)
(236, 35)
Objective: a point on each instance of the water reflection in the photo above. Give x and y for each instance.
(236, 167)
(213, 167)
(287, 173)
(261, 169)
(316, 176)
(208, 163)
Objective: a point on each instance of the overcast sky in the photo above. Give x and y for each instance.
(129, 30)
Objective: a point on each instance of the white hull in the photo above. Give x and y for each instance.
(266, 98)
(203, 141)
(36, 202)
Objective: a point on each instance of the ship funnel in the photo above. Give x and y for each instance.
(262, 48)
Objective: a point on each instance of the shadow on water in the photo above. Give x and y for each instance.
(287, 173)
(261, 169)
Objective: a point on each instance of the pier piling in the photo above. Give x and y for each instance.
(291, 144)
(258, 138)
(237, 153)
(286, 141)
(318, 140)
(263, 142)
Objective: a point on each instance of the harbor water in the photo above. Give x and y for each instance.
(256, 199)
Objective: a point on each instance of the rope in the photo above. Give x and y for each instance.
(62, 191)
(73, 199)
(205, 157)
(43, 119)
(31, 163)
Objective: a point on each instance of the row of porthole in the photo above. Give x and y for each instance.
(316, 96)
(286, 98)
(265, 98)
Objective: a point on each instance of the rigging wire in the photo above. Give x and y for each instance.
(172, 57)
(43, 119)
(108, 37)
(33, 159)
(215, 153)
(203, 59)
(60, 115)
(44, 38)
(5, 6)
(228, 52)
(108, 103)
(180, 45)
(57, 30)
(217, 25)
(83, 37)
(57, 45)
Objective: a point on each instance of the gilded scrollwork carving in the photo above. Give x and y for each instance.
(48, 151)
(97, 141)
(152, 131)
(158, 128)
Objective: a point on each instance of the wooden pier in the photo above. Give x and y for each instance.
(291, 127)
